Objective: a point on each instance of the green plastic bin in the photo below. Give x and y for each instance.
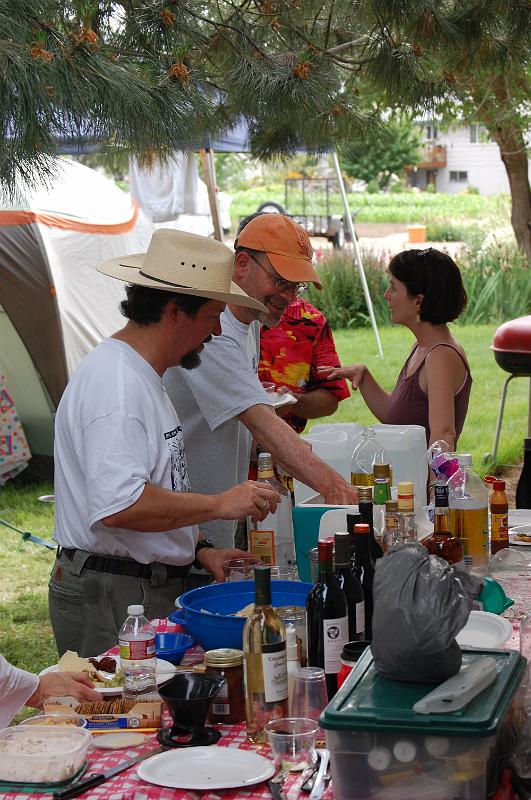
(382, 750)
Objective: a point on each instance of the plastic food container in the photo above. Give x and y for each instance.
(56, 719)
(380, 749)
(42, 755)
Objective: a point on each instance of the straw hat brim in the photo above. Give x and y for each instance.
(129, 269)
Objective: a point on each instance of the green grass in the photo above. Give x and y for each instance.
(25, 633)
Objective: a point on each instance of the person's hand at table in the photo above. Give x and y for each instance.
(212, 560)
(63, 684)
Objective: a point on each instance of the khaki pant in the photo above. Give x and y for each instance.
(88, 608)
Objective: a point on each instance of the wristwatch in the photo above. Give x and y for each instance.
(201, 544)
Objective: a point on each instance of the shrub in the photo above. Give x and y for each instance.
(430, 188)
(342, 300)
(496, 281)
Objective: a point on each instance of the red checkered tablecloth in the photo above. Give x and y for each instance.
(127, 786)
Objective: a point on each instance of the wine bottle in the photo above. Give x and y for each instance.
(365, 507)
(523, 488)
(364, 572)
(351, 587)
(272, 539)
(326, 619)
(265, 659)
(352, 519)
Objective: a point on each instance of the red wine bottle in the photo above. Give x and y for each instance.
(364, 572)
(365, 507)
(351, 586)
(326, 619)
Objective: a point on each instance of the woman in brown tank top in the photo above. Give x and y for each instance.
(433, 387)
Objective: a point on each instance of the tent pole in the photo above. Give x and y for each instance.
(207, 160)
(357, 254)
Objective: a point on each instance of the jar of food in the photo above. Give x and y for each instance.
(228, 706)
(352, 651)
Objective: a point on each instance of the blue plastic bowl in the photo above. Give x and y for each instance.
(172, 646)
(205, 612)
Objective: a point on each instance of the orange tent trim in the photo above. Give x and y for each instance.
(55, 221)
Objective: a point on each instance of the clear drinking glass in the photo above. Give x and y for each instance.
(309, 692)
(296, 616)
(292, 741)
(240, 569)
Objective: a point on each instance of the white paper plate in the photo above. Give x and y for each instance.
(165, 671)
(484, 631)
(516, 529)
(202, 768)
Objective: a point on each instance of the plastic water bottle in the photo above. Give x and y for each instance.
(138, 655)
(468, 498)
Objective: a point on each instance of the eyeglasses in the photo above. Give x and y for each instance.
(281, 284)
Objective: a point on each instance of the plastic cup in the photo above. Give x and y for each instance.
(292, 741)
(310, 696)
(240, 569)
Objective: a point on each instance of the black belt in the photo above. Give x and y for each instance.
(120, 566)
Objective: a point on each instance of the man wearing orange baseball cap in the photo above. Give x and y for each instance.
(222, 404)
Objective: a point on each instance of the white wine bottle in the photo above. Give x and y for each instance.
(265, 660)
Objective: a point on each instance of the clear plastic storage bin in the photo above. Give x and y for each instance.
(382, 750)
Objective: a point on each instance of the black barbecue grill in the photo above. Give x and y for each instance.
(512, 350)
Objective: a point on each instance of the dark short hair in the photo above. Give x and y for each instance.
(434, 275)
(145, 305)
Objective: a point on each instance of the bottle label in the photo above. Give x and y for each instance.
(275, 671)
(220, 708)
(263, 546)
(335, 635)
(499, 527)
(360, 617)
(137, 649)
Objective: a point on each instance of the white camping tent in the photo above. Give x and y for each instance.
(54, 306)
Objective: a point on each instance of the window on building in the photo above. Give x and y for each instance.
(431, 132)
(458, 176)
(478, 133)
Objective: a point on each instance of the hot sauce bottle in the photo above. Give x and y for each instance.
(499, 523)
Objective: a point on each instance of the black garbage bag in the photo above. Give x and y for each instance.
(420, 605)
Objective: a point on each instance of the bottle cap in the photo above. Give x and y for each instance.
(135, 611)
(341, 554)
(441, 495)
(365, 494)
(498, 486)
(265, 460)
(489, 479)
(362, 528)
(391, 505)
(465, 459)
(325, 548)
(381, 470)
(224, 657)
(405, 496)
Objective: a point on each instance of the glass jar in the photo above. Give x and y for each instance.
(296, 616)
(228, 706)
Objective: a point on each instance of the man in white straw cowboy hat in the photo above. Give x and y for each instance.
(125, 518)
(222, 404)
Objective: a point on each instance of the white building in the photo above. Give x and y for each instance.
(456, 159)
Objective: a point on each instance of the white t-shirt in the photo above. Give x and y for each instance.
(209, 399)
(115, 431)
(16, 686)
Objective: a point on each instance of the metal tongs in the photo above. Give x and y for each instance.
(316, 779)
